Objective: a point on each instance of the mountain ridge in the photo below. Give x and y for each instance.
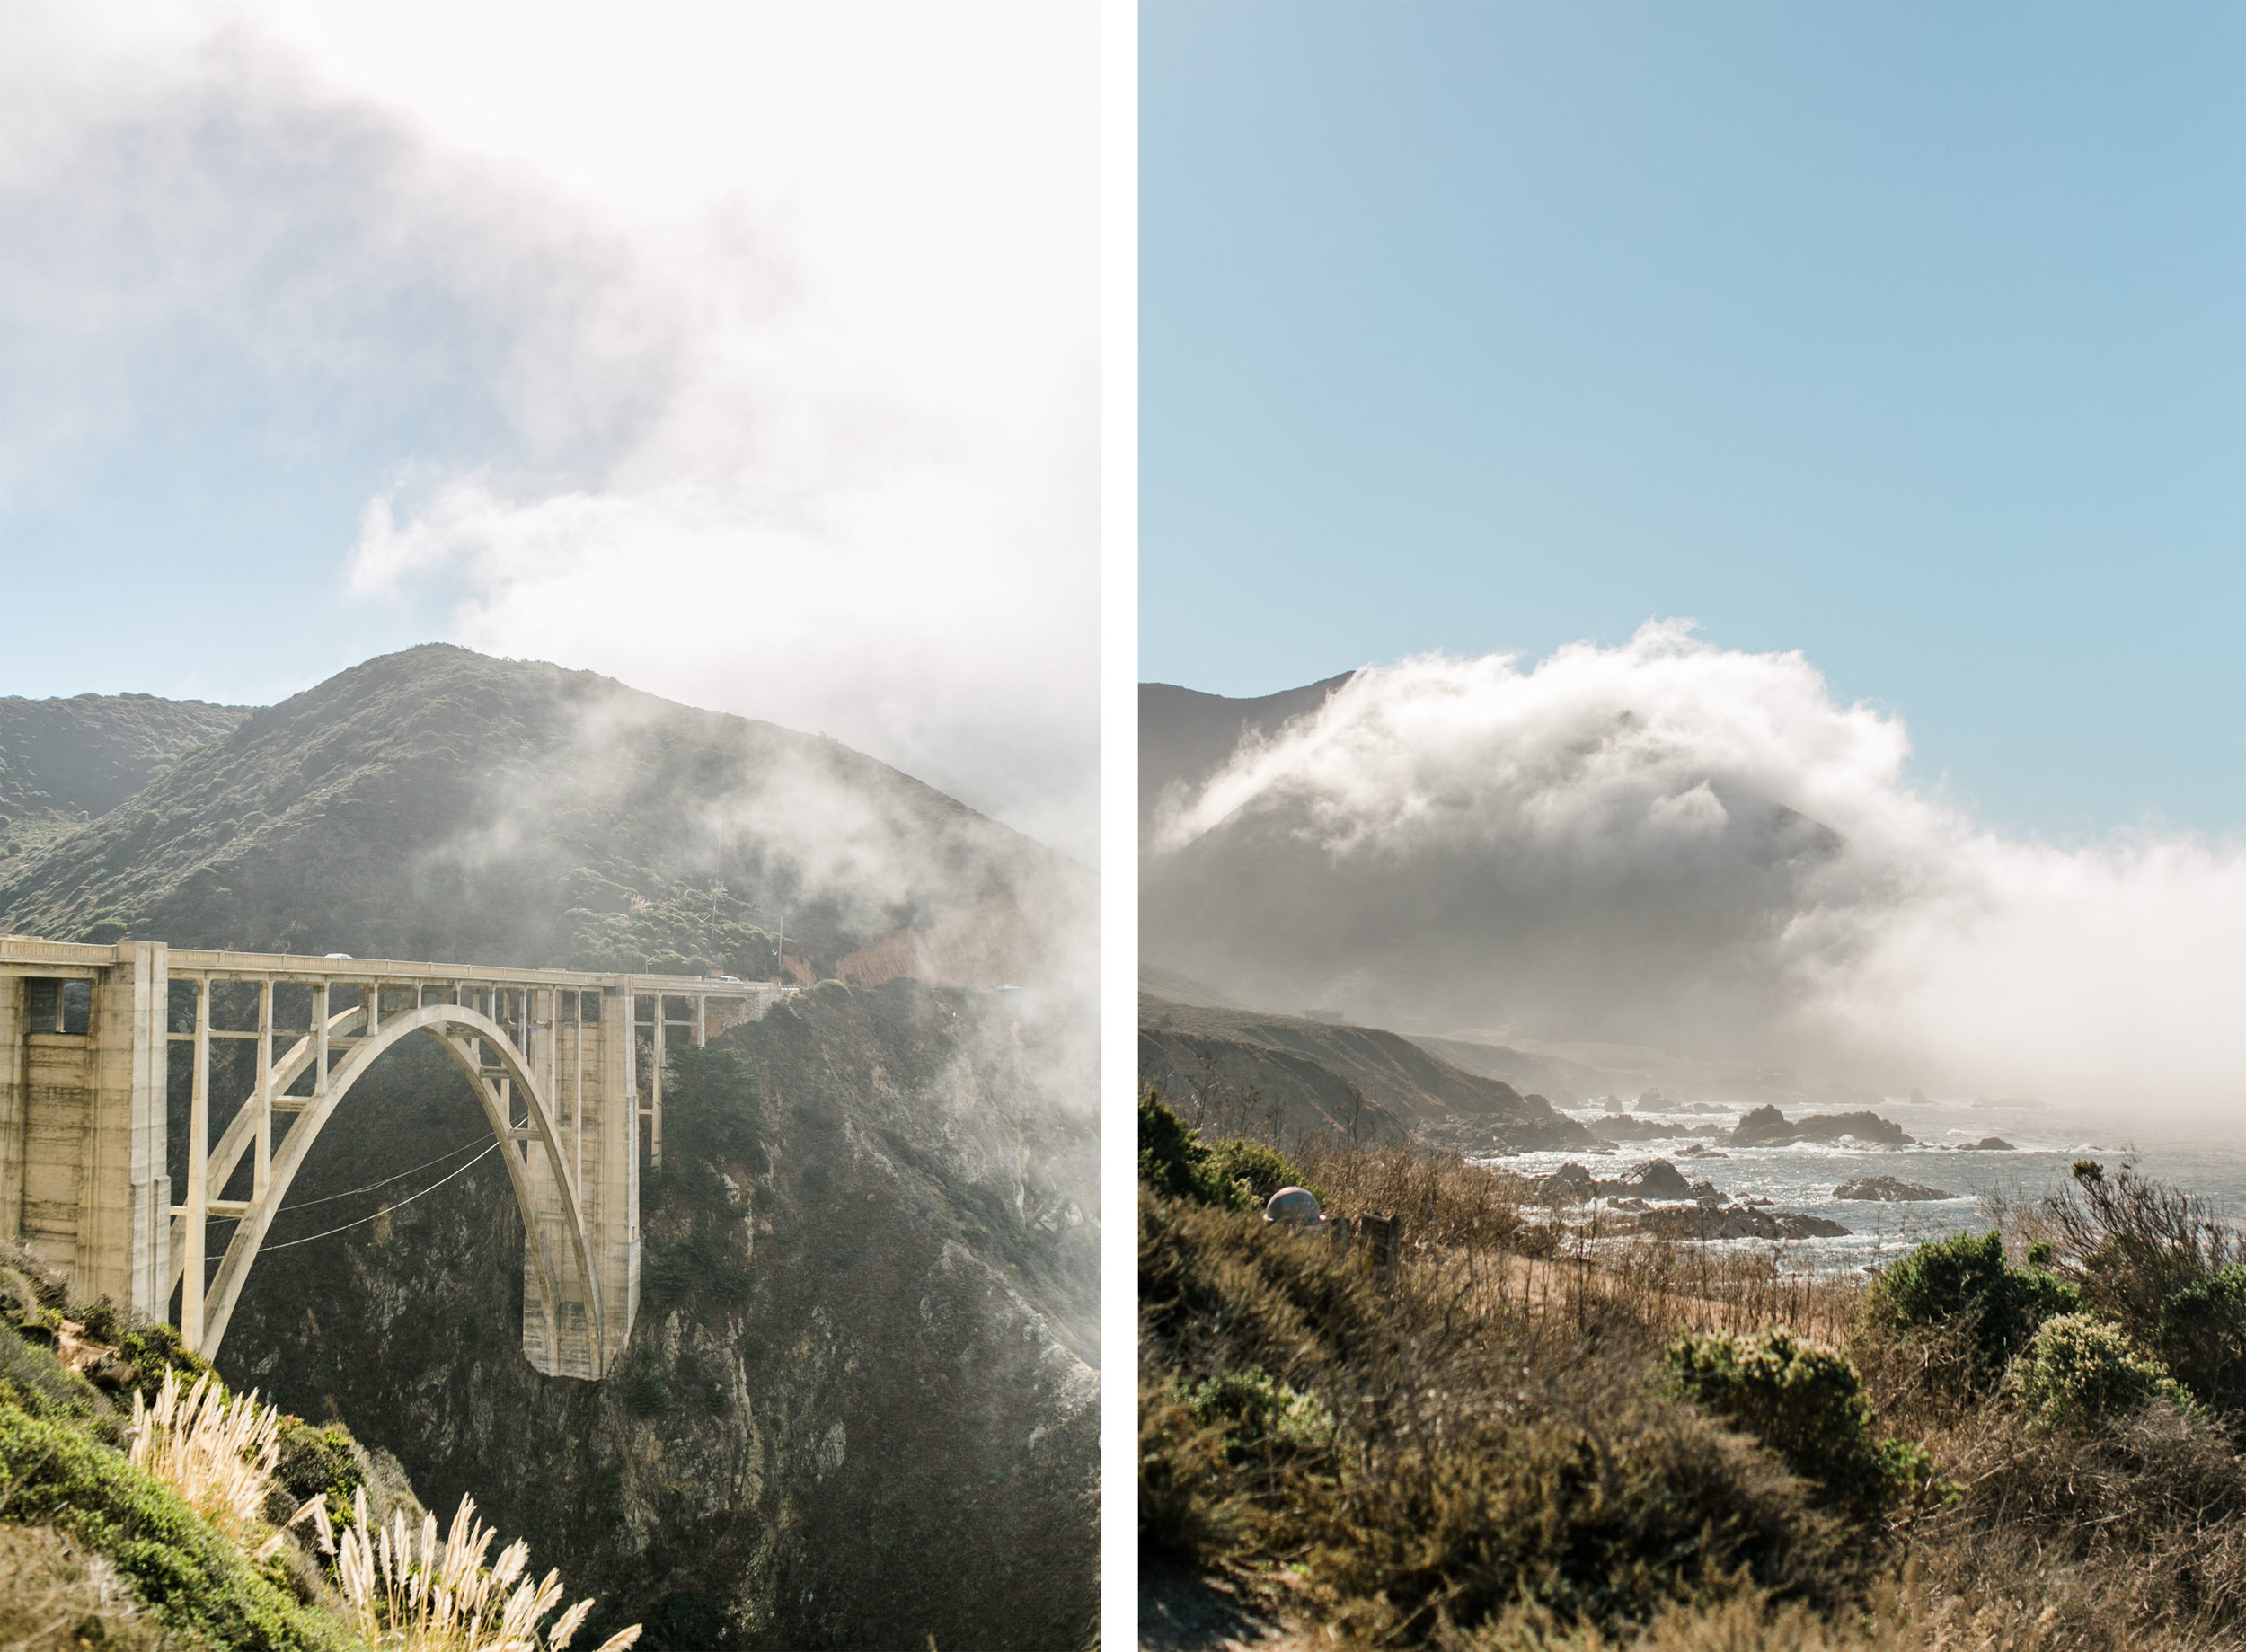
(427, 800)
(1312, 1071)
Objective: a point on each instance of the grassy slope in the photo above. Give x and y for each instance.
(1185, 736)
(97, 1551)
(439, 804)
(1568, 1083)
(66, 762)
(84, 755)
(1485, 1458)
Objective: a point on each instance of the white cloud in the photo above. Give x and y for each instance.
(1682, 844)
(747, 354)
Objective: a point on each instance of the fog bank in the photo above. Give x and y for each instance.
(1673, 844)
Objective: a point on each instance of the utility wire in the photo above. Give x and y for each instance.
(363, 1221)
(330, 1197)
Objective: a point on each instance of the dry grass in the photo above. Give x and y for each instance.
(1475, 1227)
(434, 1597)
(1474, 1454)
(216, 1452)
(1512, 1338)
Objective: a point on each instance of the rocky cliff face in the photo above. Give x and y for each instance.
(857, 1405)
(1309, 1076)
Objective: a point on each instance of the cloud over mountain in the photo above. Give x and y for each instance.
(749, 355)
(1675, 843)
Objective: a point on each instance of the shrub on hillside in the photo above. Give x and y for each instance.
(712, 1117)
(1260, 1415)
(1191, 1504)
(2132, 1245)
(194, 1579)
(1806, 1404)
(1478, 1457)
(1262, 1170)
(1174, 1161)
(315, 1462)
(710, 1108)
(2201, 1336)
(2081, 1368)
(1964, 1287)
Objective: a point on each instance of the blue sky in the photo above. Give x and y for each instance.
(1909, 336)
(750, 355)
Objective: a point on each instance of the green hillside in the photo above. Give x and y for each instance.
(64, 762)
(439, 804)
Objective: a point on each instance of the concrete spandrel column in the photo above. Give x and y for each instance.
(13, 1079)
(193, 1283)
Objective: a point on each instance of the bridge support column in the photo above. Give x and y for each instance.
(595, 1102)
(82, 1127)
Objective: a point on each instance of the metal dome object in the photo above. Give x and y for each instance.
(1298, 1207)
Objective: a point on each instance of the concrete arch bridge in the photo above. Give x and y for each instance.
(96, 1041)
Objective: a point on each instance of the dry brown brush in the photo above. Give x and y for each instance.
(1481, 1456)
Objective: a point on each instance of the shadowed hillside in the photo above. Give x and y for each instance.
(1314, 1073)
(1185, 736)
(63, 762)
(439, 804)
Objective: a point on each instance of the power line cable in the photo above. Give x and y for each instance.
(326, 1199)
(386, 1209)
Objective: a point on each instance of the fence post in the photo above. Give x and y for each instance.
(1380, 1235)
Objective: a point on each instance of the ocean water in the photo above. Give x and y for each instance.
(2046, 1142)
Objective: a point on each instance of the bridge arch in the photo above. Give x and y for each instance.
(459, 1029)
(86, 1132)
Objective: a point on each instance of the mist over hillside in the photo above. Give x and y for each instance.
(1672, 846)
(440, 804)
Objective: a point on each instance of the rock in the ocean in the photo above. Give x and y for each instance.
(1704, 1222)
(1568, 1185)
(1989, 1143)
(1656, 1179)
(1766, 1126)
(1888, 1189)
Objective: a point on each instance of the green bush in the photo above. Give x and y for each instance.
(711, 1108)
(1259, 1415)
(1262, 1170)
(2202, 1338)
(2079, 1368)
(189, 1575)
(315, 1461)
(648, 1393)
(1806, 1403)
(702, 1261)
(35, 1380)
(154, 1349)
(1173, 1162)
(1964, 1285)
(1192, 1504)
